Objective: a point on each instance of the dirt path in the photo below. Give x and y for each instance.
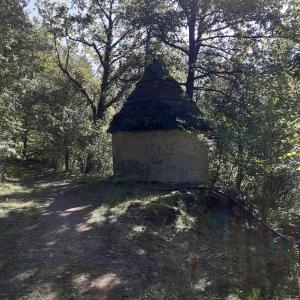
(56, 253)
(77, 241)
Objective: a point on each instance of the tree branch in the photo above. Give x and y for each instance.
(214, 72)
(165, 41)
(225, 26)
(236, 36)
(102, 9)
(220, 49)
(212, 90)
(65, 70)
(117, 97)
(123, 36)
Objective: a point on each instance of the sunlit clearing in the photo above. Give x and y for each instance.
(106, 281)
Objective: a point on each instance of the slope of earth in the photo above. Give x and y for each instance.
(62, 238)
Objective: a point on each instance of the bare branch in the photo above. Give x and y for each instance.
(123, 36)
(215, 73)
(117, 97)
(65, 70)
(212, 12)
(215, 54)
(225, 26)
(118, 57)
(90, 44)
(133, 78)
(220, 49)
(212, 90)
(102, 9)
(236, 36)
(164, 40)
(68, 56)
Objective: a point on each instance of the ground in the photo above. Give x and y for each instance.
(76, 238)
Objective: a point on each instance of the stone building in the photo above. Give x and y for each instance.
(155, 136)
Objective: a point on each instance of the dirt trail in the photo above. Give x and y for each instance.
(58, 255)
(74, 244)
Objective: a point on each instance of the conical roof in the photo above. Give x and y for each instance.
(158, 102)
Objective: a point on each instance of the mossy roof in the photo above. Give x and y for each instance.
(158, 103)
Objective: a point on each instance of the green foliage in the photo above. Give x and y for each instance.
(62, 81)
(98, 28)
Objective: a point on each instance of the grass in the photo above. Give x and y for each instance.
(162, 224)
(163, 245)
(245, 264)
(15, 199)
(14, 196)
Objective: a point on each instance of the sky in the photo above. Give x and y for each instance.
(32, 9)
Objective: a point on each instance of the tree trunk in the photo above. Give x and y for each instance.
(192, 57)
(2, 165)
(147, 47)
(81, 165)
(240, 170)
(89, 164)
(67, 159)
(220, 153)
(25, 144)
(106, 71)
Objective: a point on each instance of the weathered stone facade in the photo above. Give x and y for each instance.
(166, 156)
(155, 136)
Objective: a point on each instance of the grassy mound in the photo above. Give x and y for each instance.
(193, 245)
(83, 238)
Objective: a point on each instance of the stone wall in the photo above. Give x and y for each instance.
(167, 156)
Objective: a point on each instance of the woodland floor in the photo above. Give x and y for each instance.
(62, 238)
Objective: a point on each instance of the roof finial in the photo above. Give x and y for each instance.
(156, 70)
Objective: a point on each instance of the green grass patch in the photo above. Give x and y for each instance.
(14, 196)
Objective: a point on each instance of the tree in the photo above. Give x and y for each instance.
(14, 29)
(14, 59)
(254, 123)
(205, 33)
(96, 27)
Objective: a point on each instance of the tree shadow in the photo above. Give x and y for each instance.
(76, 245)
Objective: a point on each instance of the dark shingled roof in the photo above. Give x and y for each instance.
(158, 102)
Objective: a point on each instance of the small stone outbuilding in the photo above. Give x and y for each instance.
(155, 136)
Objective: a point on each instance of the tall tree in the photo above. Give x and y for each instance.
(98, 28)
(205, 33)
(14, 60)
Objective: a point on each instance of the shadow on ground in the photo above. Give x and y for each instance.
(104, 241)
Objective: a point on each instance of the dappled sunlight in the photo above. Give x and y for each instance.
(24, 275)
(14, 197)
(78, 208)
(63, 228)
(184, 221)
(141, 251)
(7, 207)
(44, 291)
(99, 215)
(138, 228)
(45, 214)
(8, 189)
(52, 243)
(202, 284)
(16, 205)
(127, 242)
(53, 184)
(82, 227)
(106, 281)
(31, 228)
(113, 212)
(63, 214)
(81, 279)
